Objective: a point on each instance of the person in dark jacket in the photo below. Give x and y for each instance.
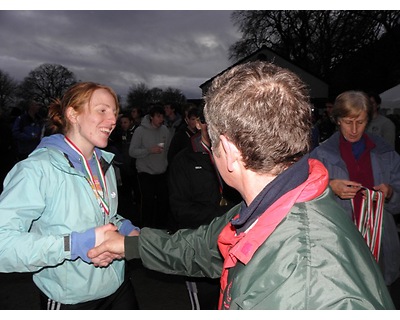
(287, 245)
(326, 125)
(9, 157)
(119, 143)
(27, 130)
(197, 194)
(181, 138)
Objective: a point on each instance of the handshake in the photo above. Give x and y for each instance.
(109, 245)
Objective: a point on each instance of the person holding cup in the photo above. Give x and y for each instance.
(150, 148)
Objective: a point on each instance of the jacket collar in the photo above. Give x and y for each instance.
(242, 247)
(283, 183)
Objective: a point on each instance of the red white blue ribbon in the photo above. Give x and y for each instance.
(90, 177)
(371, 218)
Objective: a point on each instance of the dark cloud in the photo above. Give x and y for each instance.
(120, 48)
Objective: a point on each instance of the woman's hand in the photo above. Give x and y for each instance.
(345, 189)
(386, 189)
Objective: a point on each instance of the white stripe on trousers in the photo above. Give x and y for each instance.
(194, 299)
(53, 305)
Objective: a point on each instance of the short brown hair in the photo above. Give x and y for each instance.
(265, 111)
(350, 104)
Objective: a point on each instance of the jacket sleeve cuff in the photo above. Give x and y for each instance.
(132, 248)
(127, 227)
(81, 243)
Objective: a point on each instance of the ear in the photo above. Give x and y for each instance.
(232, 154)
(71, 114)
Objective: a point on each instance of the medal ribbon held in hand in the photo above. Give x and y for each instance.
(101, 191)
(371, 218)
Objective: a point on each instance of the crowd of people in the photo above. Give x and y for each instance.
(254, 202)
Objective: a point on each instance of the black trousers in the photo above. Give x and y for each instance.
(203, 293)
(122, 299)
(154, 211)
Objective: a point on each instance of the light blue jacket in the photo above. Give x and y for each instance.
(43, 202)
(386, 169)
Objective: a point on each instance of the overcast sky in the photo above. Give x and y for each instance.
(120, 48)
(180, 47)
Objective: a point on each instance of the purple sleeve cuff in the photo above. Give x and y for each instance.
(81, 243)
(127, 227)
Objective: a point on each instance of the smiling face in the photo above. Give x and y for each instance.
(93, 126)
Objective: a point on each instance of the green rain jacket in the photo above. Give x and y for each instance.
(314, 259)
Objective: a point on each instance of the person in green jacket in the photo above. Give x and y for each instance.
(58, 202)
(288, 245)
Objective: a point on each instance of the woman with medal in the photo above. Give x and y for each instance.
(364, 166)
(58, 203)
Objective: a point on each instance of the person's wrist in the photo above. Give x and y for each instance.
(81, 243)
(131, 248)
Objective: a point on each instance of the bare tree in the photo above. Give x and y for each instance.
(8, 87)
(155, 95)
(171, 95)
(140, 95)
(46, 83)
(316, 40)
